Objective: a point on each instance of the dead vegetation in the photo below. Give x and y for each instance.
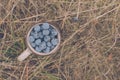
(90, 45)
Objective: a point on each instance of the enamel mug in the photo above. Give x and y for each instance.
(30, 49)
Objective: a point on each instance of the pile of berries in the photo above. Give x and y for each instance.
(43, 38)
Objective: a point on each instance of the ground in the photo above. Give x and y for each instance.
(90, 39)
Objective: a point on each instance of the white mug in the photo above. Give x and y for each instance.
(30, 49)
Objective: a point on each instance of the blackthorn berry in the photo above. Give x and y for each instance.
(37, 49)
(40, 34)
(46, 32)
(31, 39)
(33, 44)
(54, 32)
(49, 44)
(35, 35)
(38, 41)
(47, 50)
(54, 41)
(42, 45)
(47, 38)
(37, 28)
(45, 26)
(52, 47)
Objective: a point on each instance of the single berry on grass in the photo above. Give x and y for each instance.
(75, 19)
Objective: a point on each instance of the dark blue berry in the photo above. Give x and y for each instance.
(45, 26)
(37, 28)
(47, 38)
(54, 42)
(46, 32)
(49, 44)
(42, 45)
(31, 39)
(33, 44)
(37, 49)
(38, 41)
(47, 50)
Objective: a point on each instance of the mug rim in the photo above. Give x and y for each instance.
(41, 53)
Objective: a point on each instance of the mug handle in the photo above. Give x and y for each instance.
(24, 54)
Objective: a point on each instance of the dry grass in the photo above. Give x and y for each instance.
(90, 46)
